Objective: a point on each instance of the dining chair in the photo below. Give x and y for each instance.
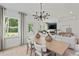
(28, 45)
(30, 42)
(76, 50)
(41, 50)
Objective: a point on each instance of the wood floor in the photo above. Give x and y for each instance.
(16, 51)
(22, 51)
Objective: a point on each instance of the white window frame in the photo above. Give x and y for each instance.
(8, 25)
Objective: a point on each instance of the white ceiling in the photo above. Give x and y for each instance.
(55, 9)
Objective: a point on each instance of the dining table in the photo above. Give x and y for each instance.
(58, 47)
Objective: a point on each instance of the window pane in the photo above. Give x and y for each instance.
(13, 22)
(11, 27)
(13, 30)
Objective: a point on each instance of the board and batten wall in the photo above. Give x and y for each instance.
(74, 24)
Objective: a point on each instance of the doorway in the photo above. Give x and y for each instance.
(12, 33)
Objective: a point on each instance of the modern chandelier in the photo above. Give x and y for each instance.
(43, 14)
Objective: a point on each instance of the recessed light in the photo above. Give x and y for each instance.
(70, 12)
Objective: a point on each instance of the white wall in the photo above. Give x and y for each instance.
(74, 24)
(29, 19)
(63, 24)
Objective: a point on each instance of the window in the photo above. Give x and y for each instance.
(11, 27)
(30, 25)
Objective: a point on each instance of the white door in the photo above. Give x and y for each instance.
(12, 33)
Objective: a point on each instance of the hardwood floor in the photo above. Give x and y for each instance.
(16, 51)
(22, 51)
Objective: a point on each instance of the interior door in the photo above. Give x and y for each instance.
(12, 28)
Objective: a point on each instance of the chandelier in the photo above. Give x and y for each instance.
(42, 16)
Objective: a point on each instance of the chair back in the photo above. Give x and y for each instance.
(38, 47)
(44, 49)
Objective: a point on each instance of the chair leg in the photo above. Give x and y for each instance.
(35, 54)
(54, 54)
(31, 51)
(27, 48)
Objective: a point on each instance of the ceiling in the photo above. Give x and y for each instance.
(55, 9)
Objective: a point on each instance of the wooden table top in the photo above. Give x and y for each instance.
(57, 46)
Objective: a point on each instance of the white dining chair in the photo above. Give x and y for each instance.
(28, 45)
(38, 50)
(76, 51)
(30, 39)
(41, 50)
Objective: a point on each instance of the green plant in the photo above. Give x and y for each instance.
(30, 25)
(13, 22)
